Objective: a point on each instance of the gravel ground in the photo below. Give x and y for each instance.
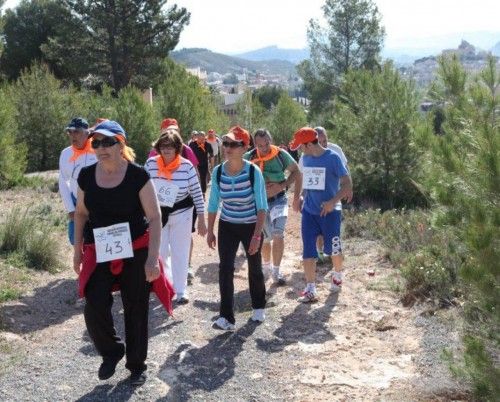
(363, 346)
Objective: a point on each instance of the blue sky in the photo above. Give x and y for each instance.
(233, 26)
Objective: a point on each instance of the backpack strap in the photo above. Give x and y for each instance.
(218, 173)
(251, 174)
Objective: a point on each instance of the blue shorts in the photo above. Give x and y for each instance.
(276, 227)
(328, 226)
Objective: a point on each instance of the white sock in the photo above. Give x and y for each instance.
(276, 268)
(266, 265)
(311, 287)
(338, 275)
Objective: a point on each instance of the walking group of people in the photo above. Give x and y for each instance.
(131, 226)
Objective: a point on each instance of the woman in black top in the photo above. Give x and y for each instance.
(118, 208)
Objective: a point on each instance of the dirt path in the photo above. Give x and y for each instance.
(363, 346)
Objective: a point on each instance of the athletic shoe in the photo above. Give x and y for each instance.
(182, 299)
(225, 325)
(335, 283)
(137, 378)
(321, 258)
(308, 296)
(108, 366)
(259, 315)
(278, 278)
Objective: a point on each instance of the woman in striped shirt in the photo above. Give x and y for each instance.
(178, 189)
(239, 185)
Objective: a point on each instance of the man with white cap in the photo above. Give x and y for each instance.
(72, 159)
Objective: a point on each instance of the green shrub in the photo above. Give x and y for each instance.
(429, 259)
(43, 110)
(463, 177)
(41, 252)
(28, 241)
(7, 294)
(13, 154)
(15, 231)
(375, 120)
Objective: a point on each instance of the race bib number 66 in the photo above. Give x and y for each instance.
(113, 242)
(313, 178)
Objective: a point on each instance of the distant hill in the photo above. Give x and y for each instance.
(221, 63)
(495, 50)
(294, 56)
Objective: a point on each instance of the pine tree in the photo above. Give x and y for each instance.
(374, 122)
(13, 154)
(121, 42)
(465, 182)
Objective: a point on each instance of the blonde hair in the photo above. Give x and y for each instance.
(127, 152)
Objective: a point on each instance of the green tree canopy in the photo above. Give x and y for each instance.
(268, 96)
(26, 29)
(13, 155)
(287, 117)
(464, 180)
(352, 39)
(183, 97)
(119, 42)
(375, 123)
(43, 109)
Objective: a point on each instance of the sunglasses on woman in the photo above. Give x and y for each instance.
(232, 144)
(106, 142)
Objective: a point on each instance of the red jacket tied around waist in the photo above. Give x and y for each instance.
(161, 286)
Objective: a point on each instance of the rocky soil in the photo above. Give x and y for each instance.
(363, 345)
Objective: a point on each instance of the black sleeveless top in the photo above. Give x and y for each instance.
(109, 206)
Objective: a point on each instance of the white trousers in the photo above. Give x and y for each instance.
(174, 248)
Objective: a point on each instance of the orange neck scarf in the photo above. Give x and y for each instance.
(261, 159)
(167, 170)
(87, 149)
(201, 144)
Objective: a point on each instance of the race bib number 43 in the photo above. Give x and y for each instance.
(113, 242)
(313, 178)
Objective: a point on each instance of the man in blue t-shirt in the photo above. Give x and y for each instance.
(325, 181)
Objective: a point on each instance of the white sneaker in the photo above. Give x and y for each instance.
(259, 315)
(278, 278)
(336, 282)
(225, 325)
(308, 296)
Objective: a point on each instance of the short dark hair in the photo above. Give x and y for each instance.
(172, 138)
(263, 132)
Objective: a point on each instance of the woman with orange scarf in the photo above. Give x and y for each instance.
(178, 190)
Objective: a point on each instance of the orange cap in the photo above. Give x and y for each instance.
(168, 123)
(303, 136)
(237, 133)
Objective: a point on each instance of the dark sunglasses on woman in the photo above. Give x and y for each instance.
(232, 144)
(105, 142)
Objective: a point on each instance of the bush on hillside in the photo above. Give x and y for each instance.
(43, 110)
(429, 259)
(13, 153)
(23, 235)
(375, 122)
(464, 180)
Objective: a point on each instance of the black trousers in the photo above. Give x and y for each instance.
(229, 237)
(203, 170)
(135, 297)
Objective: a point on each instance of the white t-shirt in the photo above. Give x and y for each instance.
(68, 174)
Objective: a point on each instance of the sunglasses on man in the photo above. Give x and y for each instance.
(106, 142)
(232, 144)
